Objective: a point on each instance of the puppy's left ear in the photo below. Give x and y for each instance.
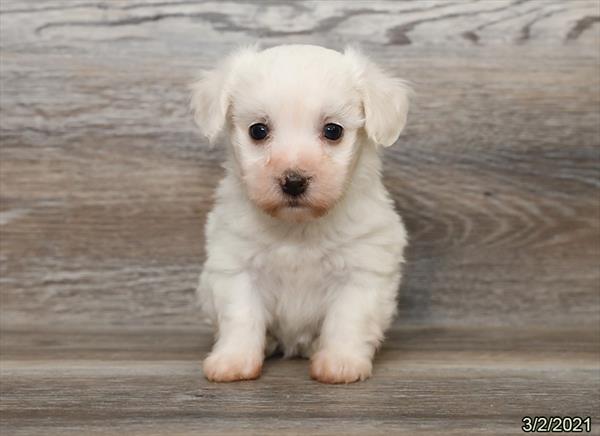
(211, 95)
(385, 99)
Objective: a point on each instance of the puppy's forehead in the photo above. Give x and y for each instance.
(313, 77)
(301, 56)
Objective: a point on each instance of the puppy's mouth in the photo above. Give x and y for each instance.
(299, 208)
(294, 204)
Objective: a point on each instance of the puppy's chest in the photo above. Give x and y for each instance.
(297, 277)
(296, 263)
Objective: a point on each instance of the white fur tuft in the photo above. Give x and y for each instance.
(385, 99)
(211, 93)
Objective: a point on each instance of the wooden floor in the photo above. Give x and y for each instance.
(105, 185)
(441, 381)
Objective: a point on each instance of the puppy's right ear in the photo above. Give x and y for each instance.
(211, 94)
(385, 99)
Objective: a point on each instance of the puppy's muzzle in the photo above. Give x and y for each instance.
(294, 184)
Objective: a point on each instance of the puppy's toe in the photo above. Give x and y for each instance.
(330, 367)
(229, 367)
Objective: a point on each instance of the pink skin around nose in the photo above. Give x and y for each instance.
(325, 187)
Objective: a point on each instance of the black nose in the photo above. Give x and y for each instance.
(294, 184)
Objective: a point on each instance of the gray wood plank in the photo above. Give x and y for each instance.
(104, 187)
(105, 184)
(436, 380)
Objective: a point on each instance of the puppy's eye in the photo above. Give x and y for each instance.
(332, 131)
(258, 131)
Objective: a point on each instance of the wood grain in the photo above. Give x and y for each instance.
(104, 188)
(105, 185)
(431, 380)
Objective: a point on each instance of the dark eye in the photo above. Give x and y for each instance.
(258, 131)
(333, 132)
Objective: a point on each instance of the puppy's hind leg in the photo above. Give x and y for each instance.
(272, 345)
(240, 338)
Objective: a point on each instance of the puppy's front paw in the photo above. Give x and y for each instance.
(228, 367)
(330, 367)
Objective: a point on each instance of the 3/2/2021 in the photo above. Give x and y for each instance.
(556, 424)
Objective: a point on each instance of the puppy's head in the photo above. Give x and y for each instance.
(296, 116)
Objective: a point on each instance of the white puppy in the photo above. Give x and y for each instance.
(303, 245)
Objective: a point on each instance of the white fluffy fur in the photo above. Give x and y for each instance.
(318, 280)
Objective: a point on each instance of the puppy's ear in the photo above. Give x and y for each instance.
(385, 99)
(211, 94)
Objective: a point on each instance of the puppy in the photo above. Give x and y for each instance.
(303, 245)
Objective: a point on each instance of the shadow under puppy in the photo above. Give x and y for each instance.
(304, 246)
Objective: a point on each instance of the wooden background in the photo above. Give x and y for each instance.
(104, 188)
